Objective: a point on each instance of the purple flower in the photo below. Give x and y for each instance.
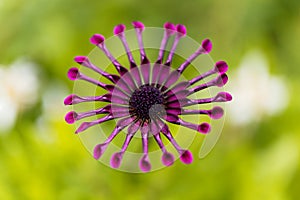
(147, 96)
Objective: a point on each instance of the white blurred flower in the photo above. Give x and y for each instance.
(256, 93)
(18, 91)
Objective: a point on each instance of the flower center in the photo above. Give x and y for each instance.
(145, 102)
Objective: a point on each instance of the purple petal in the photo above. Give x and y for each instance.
(80, 59)
(172, 118)
(173, 77)
(180, 86)
(138, 25)
(125, 121)
(163, 74)
(119, 29)
(99, 150)
(97, 39)
(122, 85)
(178, 103)
(181, 29)
(84, 61)
(122, 70)
(145, 165)
(155, 71)
(69, 99)
(154, 129)
(136, 75)
(177, 96)
(145, 69)
(169, 30)
(207, 45)
(73, 73)
(202, 76)
(167, 158)
(222, 97)
(221, 67)
(70, 117)
(118, 99)
(170, 26)
(204, 128)
(221, 80)
(216, 113)
(129, 80)
(173, 111)
(186, 157)
(116, 159)
(86, 125)
(103, 110)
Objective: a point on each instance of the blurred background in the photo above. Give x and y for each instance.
(257, 156)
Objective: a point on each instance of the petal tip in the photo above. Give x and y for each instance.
(207, 45)
(69, 99)
(138, 25)
(80, 59)
(70, 117)
(217, 112)
(97, 39)
(225, 96)
(119, 29)
(116, 159)
(167, 159)
(145, 165)
(73, 73)
(169, 26)
(204, 128)
(186, 157)
(221, 67)
(83, 127)
(221, 80)
(181, 29)
(98, 151)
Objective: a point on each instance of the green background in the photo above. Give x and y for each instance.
(249, 162)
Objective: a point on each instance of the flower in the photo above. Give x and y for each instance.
(18, 91)
(266, 96)
(146, 97)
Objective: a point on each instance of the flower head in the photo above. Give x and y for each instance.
(18, 91)
(148, 96)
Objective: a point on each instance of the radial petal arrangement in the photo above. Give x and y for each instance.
(145, 97)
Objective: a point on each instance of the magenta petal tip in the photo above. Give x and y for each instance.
(82, 127)
(181, 29)
(138, 25)
(70, 117)
(221, 80)
(119, 29)
(217, 112)
(97, 39)
(80, 59)
(73, 73)
(224, 96)
(99, 150)
(169, 26)
(167, 159)
(116, 159)
(69, 99)
(186, 157)
(145, 165)
(204, 128)
(221, 67)
(207, 45)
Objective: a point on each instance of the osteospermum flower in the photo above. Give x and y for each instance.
(147, 96)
